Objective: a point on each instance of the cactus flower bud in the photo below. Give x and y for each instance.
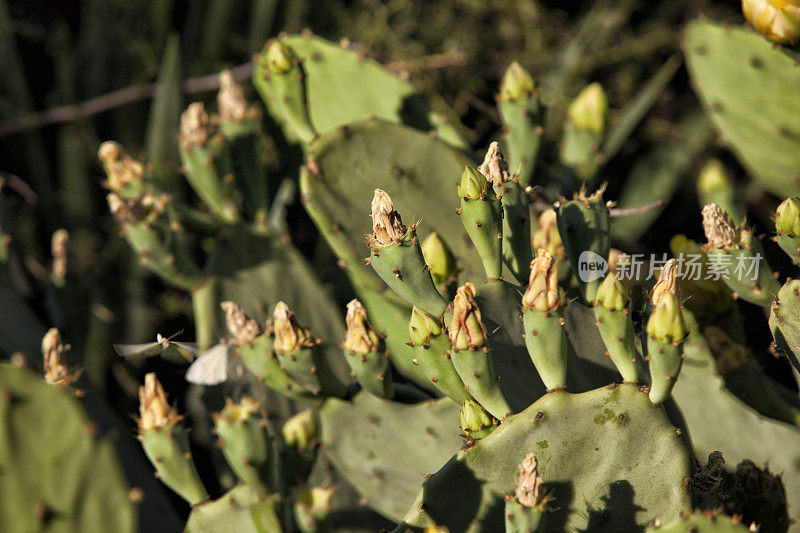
(666, 283)
(234, 412)
(300, 431)
(125, 210)
(494, 166)
(543, 292)
(387, 226)
(475, 420)
(196, 127)
(154, 411)
(546, 235)
(121, 169)
(55, 364)
(361, 337)
(439, 258)
(289, 335)
(279, 57)
(589, 110)
(718, 228)
(611, 294)
(423, 326)
(60, 252)
(528, 491)
(466, 331)
(713, 177)
(666, 322)
(517, 83)
(473, 184)
(243, 328)
(315, 502)
(787, 217)
(777, 20)
(230, 98)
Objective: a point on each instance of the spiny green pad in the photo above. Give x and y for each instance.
(519, 108)
(580, 441)
(340, 86)
(168, 450)
(749, 89)
(55, 474)
(384, 449)
(481, 215)
(521, 519)
(784, 321)
(477, 373)
(241, 509)
(616, 326)
(261, 361)
(701, 523)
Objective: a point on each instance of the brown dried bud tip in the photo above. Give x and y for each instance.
(196, 127)
(121, 168)
(154, 411)
(361, 337)
(289, 335)
(60, 252)
(387, 226)
(543, 292)
(718, 228)
(466, 331)
(55, 364)
(666, 282)
(494, 166)
(230, 98)
(125, 210)
(528, 489)
(243, 328)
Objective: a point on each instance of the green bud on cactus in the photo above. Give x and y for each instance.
(543, 292)
(279, 57)
(440, 259)
(777, 20)
(466, 331)
(364, 352)
(476, 422)
(312, 508)
(474, 185)
(787, 217)
(589, 110)
(666, 322)
(300, 431)
(712, 177)
(517, 83)
(422, 326)
(612, 294)
(546, 235)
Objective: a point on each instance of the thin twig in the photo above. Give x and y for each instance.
(636, 210)
(114, 99)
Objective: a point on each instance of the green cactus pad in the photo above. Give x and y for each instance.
(481, 215)
(209, 170)
(262, 362)
(247, 447)
(517, 251)
(749, 89)
(547, 346)
(168, 450)
(245, 140)
(701, 523)
(759, 291)
(580, 441)
(584, 226)
(616, 329)
(341, 86)
(665, 362)
(522, 123)
(385, 449)
(241, 509)
(372, 371)
(784, 321)
(521, 519)
(54, 474)
(477, 373)
(435, 360)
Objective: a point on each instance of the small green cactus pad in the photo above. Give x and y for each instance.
(385, 449)
(749, 88)
(256, 270)
(55, 475)
(784, 321)
(718, 421)
(241, 509)
(342, 86)
(700, 523)
(610, 460)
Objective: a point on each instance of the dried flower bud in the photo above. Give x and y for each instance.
(154, 411)
(517, 83)
(546, 235)
(243, 328)
(777, 20)
(230, 98)
(60, 252)
(125, 210)
(422, 326)
(300, 431)
(55, 364)
(121, 169)
(234, 412)
(667, 282)
(719, 231)
(787, 217)
(289, 335)
(495, 166)
(196, 127)
(589, 110)
(361, 337)
(279, 57)
(387, 226)
(543, 292)
(473, 184)
(611, 294)
(528, 491)
(466, 331)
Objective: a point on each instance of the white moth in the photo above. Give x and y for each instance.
(210, 367)
(164, 346)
